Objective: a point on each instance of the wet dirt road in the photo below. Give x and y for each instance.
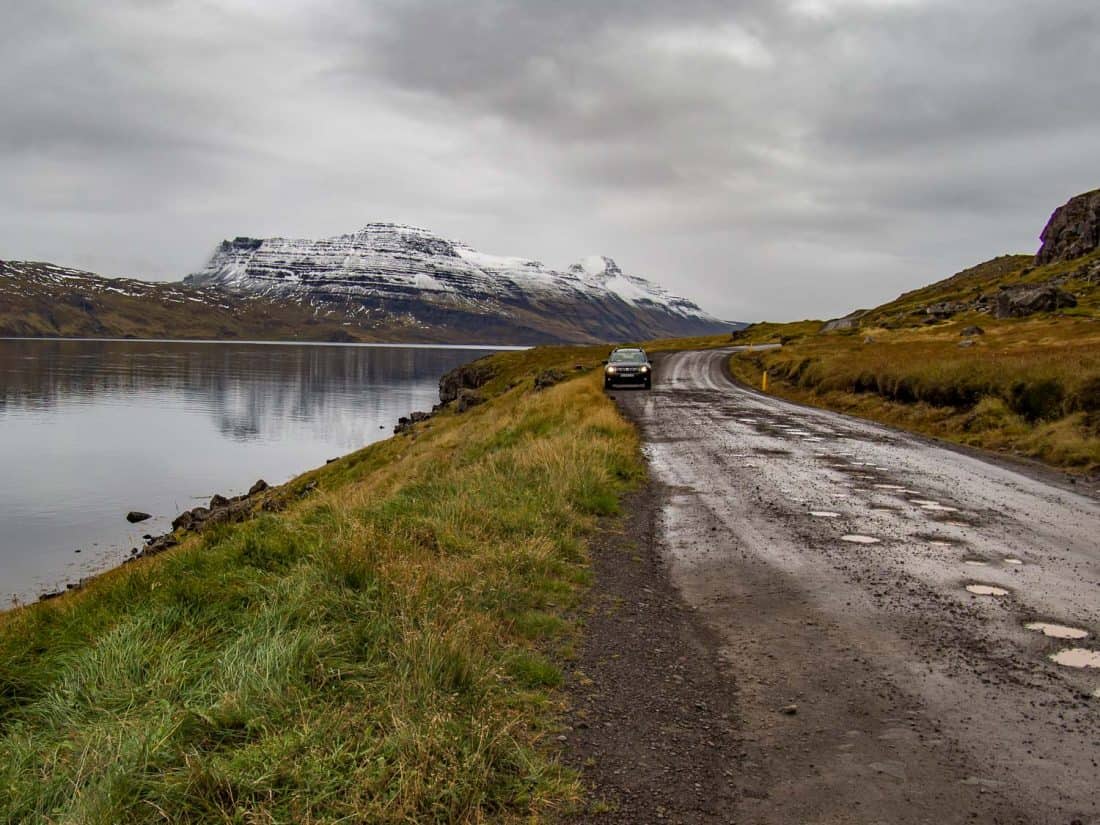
(831, 557)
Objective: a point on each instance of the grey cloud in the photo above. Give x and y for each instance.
(767, 161)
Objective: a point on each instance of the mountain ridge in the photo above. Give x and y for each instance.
(383, 283)
(388, 267)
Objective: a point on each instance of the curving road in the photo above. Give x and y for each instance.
(831, 557)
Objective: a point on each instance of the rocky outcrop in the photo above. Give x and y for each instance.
(406, 422)
(548, 378)
(134, 516)
(945, 309)
(849, 321)
(1027, 300)
(222, 510)
(1072, 231)
(466, 377)
(467, 399)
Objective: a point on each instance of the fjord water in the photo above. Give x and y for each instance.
(90, 430)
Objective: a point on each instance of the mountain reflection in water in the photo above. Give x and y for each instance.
(92, 429)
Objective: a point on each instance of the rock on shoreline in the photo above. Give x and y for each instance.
(222, 510)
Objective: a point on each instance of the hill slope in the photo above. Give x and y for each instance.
(1004, 355)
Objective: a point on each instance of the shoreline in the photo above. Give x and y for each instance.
(282, 343)
(128, 550)
(417, 594)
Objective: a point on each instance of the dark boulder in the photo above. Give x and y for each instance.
(849, 321)
(945, 309)
(1027, 300)
(190, 519)
(469, 377)
(134, 516)
(231, 513)
(159, 545)
(258, 487)
(1072, 231)
(405, 422)
(971, 330)
(218, 501)
(548, 378)
(466, 399)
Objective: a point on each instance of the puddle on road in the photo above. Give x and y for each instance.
(889, 487)
(855, 538)
(1057, 631)
(986, 590)
(922, 501)
(1076, 657)
(939, 508)
(824, 514)
(771, 452)
(1014, 561)
(941, 543)
(977, 562)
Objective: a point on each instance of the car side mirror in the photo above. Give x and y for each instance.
(604, 362)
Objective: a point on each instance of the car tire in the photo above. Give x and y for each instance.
(606, 384)
(648, 385)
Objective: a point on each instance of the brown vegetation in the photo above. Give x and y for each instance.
(1029, 385)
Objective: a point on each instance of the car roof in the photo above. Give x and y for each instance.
(628, 349)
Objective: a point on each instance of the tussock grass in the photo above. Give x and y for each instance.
(384, 651)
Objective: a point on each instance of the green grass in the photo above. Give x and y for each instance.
(388, 649)
(1028, 386)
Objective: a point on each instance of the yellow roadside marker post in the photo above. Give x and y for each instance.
(764, 382)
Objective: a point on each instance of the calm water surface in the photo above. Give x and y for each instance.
(92, 429)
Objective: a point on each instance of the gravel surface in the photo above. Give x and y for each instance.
(811, 570)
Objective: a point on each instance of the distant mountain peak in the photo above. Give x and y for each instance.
(596, 268)
(387, 268)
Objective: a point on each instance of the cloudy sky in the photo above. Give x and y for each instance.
(768, 158)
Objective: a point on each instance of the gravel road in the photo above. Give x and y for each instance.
(829, 559)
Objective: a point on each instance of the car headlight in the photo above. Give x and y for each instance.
(645, 369)
(611, 370)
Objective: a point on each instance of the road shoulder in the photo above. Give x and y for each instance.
(653, 719)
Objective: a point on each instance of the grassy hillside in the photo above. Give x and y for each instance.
(1028, 385)
(383, 650)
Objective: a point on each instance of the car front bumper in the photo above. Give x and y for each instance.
(627, 377)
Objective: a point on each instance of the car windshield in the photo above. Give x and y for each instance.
(628, 356)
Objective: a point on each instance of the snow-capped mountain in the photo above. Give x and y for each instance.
(389, 273)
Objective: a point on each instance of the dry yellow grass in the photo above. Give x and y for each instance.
(1029, 386)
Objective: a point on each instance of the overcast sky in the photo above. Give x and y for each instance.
(768, 158)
